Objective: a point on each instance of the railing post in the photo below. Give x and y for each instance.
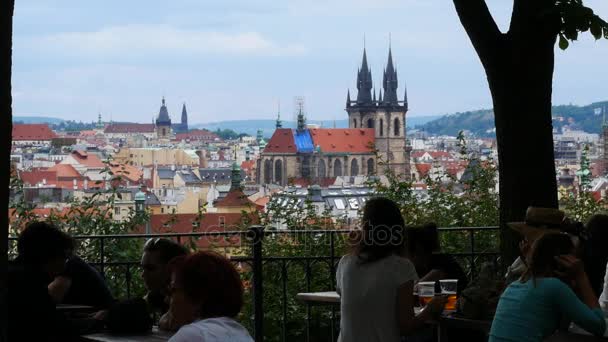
(472, 242)
(102, 256)
(256, 234)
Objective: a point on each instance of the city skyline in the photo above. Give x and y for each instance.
(237, 60)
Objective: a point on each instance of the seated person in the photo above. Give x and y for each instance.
(423, 249)
(376, 282)
(158, 252)
(42, 254)
(530, 309)
(537, 221)
(80, 284)
(604, 295)
(595, 251)
(206, 297)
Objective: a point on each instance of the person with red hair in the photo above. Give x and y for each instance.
(206, 295)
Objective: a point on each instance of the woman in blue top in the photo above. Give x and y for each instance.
(532, 308)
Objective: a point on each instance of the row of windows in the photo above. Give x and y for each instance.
(370, 124)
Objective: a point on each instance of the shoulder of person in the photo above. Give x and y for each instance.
(186, 333)
(400, 261)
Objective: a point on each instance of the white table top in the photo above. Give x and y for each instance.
(319, 297)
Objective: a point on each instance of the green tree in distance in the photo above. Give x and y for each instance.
(519, 66)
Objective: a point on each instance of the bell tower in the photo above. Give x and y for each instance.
(163, 122)
(386, 116)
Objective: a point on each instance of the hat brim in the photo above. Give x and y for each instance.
(529, 232)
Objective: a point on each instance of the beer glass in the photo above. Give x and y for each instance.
(449, 287)
(426, 292)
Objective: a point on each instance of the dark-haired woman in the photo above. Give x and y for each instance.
(206, 296)
(531, 309)
(424, 250)
(376, 282)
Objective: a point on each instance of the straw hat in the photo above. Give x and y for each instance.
(539, 221)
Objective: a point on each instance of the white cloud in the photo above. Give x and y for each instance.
(160, 40)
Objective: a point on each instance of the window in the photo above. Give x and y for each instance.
(355, 123)
(162, 210)
(381, 127)
(222, 221)
(116, 211)
(396, 127)
(370, 123)
(339, 204)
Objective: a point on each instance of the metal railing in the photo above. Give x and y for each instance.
(269, 267)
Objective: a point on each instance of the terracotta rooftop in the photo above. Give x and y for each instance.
(282, 141)
(32, 132)
(235, 198)
(197, 134)
(89, 160)
(65, 171)
(34, 177)
(210, 222)
(423, 169)
(343, 140)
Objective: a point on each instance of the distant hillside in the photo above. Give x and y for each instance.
(481, 122)
(251, 126)
(36, 119)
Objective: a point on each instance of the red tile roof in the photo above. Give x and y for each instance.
(282, 141)
(344, 140)
(210, 222)
(127, 172)
(32, 132)
(235, 198)
(34, 177)
(129, 128)
(423, 169)
(197, 134)
(65, 171)
(89, 160)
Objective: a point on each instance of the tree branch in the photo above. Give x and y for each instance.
(480, 26)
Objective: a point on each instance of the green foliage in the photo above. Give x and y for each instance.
(93, 215)
(227, 134)
(481, 122)
(575, 18)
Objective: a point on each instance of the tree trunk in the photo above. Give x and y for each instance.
(519, 66)
(521, 92)
(6, 29)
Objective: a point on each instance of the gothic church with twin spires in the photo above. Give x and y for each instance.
(317, 155)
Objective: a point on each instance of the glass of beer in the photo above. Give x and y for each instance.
(449, 287)
(426, 292)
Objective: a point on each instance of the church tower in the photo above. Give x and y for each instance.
(184, 125)
(386, 115)
(163, 122)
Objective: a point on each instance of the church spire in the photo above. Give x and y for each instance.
(301, 118)
(364, 82)
(389, 81)
(184, 116)
(279, 123)
(348, 98)
(405, 104)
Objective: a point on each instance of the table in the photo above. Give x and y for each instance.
(319, 298)
(155, 335)
(71, 307)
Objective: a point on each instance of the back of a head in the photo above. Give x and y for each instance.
(211, 279)
(383, 230)
(595, 251)
(40, 241)
(167, 249)
(544, 250)
(423, 238)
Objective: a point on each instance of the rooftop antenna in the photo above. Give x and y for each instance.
(300, 113)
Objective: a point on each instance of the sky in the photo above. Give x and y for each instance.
(238, 59)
